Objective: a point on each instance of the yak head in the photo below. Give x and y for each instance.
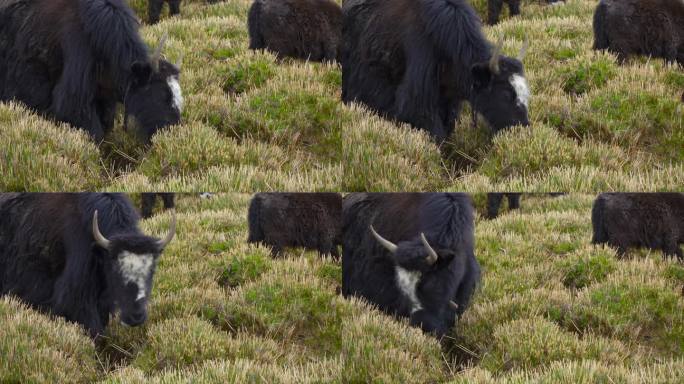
(423, 278)
(131, 259)
(500, 91)
(154, 99)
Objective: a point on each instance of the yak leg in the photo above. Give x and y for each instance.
(106, 110)
(513, 200)
(154, 8)
(671, 247)
(148, 203)
(168, 199)
(493, 11)
(174, 7)
(73, 98)
(75, 292)
(514, 7)
(467, 287)
(276, 251)
(493, 204)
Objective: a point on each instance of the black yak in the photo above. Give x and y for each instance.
(303, 29)
(79, 256)
(309, 220)
(416, 61)
(150, 199)
(154, 8)
(651, 220)
(411, 254)
(641, 27)
(494, 8)
(74, 60)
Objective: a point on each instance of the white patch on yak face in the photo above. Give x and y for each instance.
(174, 85)
(407, 282)
(136, 269)
(522, 90)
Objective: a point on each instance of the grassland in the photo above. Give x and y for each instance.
(551, 309)
(254, 123)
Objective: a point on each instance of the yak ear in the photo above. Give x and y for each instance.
(482, 75)
(142, 73)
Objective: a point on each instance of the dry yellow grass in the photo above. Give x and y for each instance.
(552, 308)
(255, 123)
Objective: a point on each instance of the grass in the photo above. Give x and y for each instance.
(552, 308)
(253, 122)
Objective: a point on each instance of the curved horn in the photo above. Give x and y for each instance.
(156, 56)
(453, 305)
(523, 49)
(432, 255)
(172, 231)
(99, 239)
(494, 60)
(385, 243)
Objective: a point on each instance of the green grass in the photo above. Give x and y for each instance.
(551, 308)
(253, 122)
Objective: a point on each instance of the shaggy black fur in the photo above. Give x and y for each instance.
(154, 8)
(641, 27)
(309, 220)
(651, 220)
(303, 29)
(416, 61)
(75, 59)
(370, 271)
(49, 259)
(149, 200)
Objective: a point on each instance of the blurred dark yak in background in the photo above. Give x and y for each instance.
(74, 60)
(651, 220)
(79, 256)
(641, 27)
(411, 254)
(309, 220)
(494, 8)
(154, 8)
(417, 61)
(148, 201)
(303, 29)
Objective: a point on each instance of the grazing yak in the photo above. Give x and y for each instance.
(411, 254)
(651, 220)
(416, 61)
(641, 27)
(309, 220)
(79, 256)
(154, 8)
(494, 8)
(303, 29)
(150, 199)
(74, 60)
